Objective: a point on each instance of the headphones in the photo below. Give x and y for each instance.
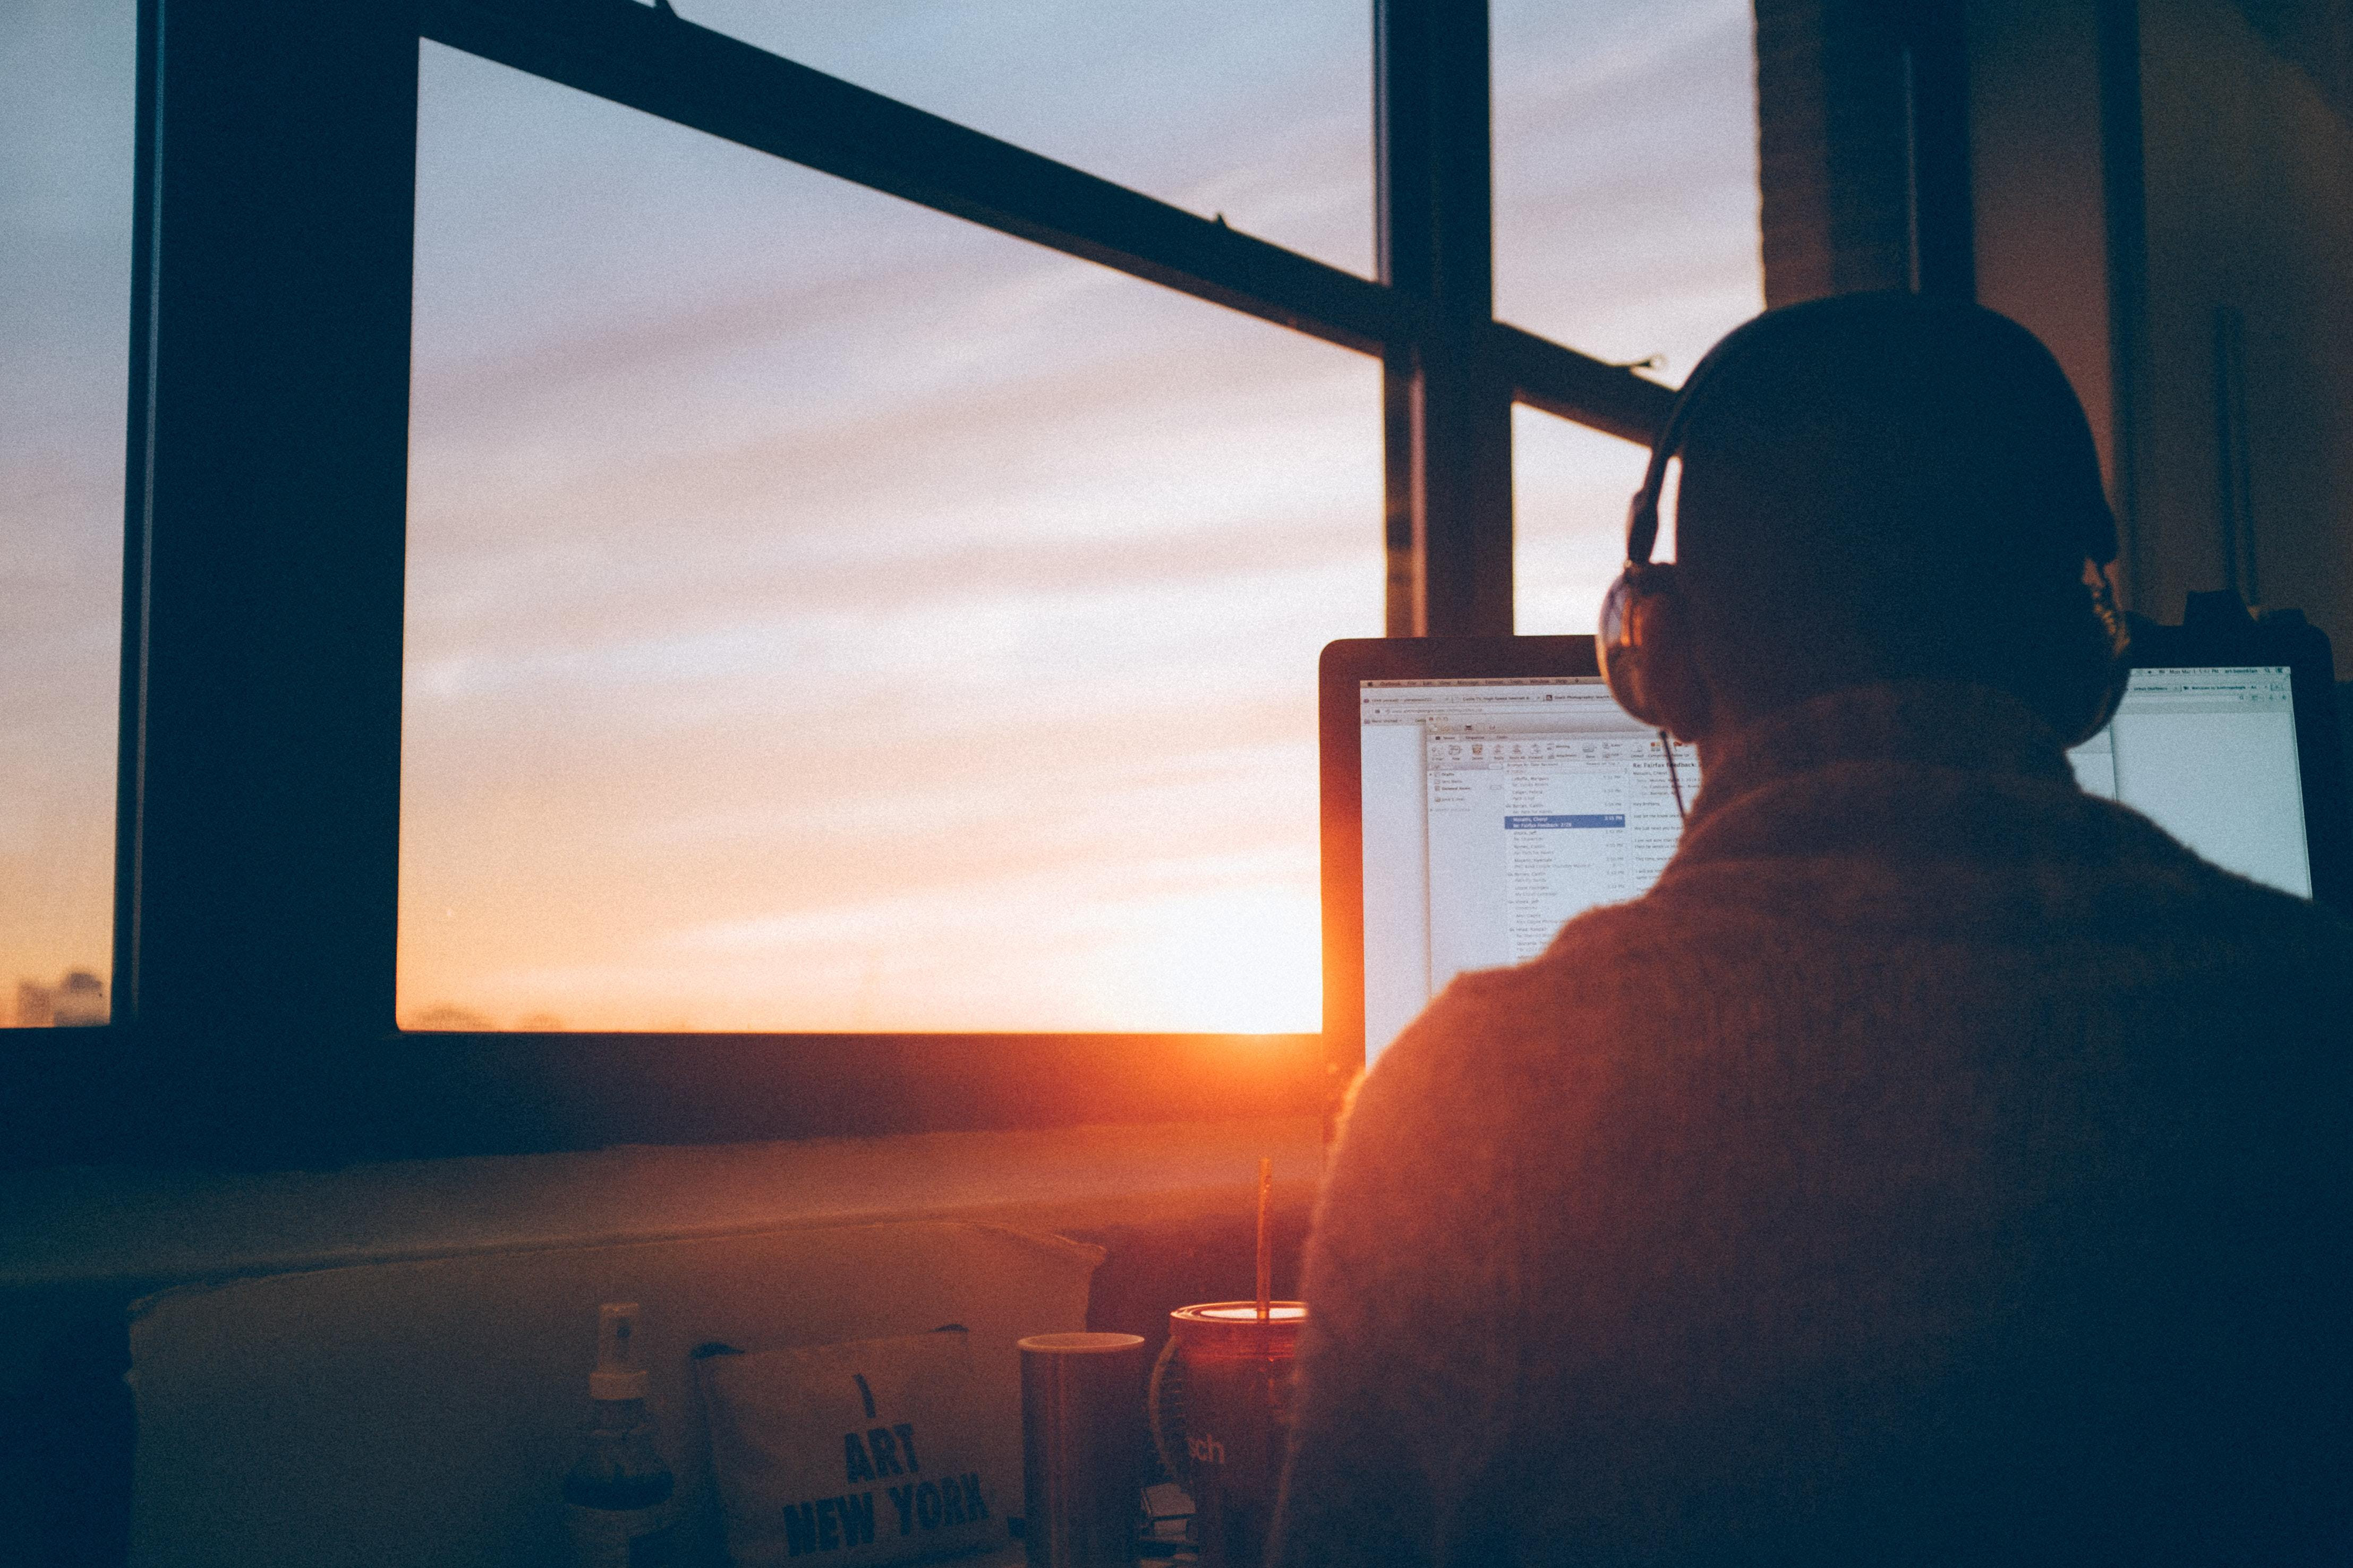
(1638, 633)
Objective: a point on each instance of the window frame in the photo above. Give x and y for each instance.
(258, 769)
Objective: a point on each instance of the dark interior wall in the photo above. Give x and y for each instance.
(1894, 132)
(2246, 442)
(2038, 168)
(2316, 35)
(1832, 152)
(2163, 190)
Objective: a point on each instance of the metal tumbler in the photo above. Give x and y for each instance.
(1082, 1450)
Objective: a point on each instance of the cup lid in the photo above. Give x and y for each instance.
(1233, 1326)
(1244, 1313)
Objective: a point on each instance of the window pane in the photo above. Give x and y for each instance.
(1569, 489)
(67, 80)
(1261, 112)
(1626, 174)
(827, 614)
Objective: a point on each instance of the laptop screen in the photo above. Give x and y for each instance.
(1495, 808)
(2209, 753)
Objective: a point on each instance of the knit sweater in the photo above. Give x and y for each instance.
(1938, 1166)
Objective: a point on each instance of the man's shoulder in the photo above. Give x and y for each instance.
(1954, 855)
(2159, 892)
(2295, 943)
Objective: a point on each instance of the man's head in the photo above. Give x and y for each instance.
(1877, 487)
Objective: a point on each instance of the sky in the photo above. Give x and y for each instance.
(824, 614)
(65, 291)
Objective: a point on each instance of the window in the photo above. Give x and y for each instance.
(66, 73)
(826, 615)
(379, 592)
(1262, 114)
(1569, 489)
(1626, 223)
(1626, 193)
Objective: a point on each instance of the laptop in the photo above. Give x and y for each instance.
(1478, 791)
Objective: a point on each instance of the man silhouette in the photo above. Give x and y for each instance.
(1939, 1164)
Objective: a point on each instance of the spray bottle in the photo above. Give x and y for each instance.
(618, 1499)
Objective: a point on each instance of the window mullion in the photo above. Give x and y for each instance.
(261, 703)
(1449, 469)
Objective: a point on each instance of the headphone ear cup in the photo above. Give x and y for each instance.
(1623, 643)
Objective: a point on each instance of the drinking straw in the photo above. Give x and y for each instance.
(1265, 1241)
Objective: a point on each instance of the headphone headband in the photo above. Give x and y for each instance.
(2097, 524)
(1642, 512)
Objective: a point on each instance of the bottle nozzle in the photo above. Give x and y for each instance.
(619, 1372)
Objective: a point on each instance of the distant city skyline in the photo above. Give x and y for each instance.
(77, 1000)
